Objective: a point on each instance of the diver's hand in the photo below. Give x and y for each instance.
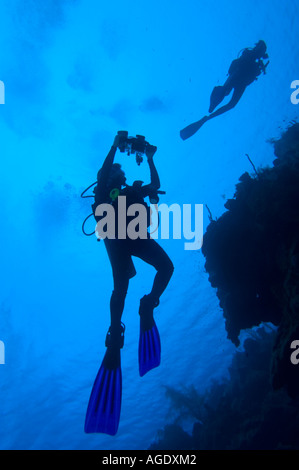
(116, 141)
(150, 151)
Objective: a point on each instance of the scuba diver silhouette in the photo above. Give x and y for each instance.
(103, 411)
(242, 72)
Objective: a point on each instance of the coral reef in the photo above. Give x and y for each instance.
(243, 412)
(252, 256)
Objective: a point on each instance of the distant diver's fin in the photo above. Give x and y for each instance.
(149, 350)
(190, 130)
(103, 412)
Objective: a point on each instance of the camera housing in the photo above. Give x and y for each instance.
(133, 145)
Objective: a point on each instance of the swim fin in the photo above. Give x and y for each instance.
(103, 411)
(192, 128)
(149, 349)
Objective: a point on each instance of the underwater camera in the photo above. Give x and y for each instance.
(133, 145)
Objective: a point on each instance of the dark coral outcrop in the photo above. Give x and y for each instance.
(240, 412)
(252, 255)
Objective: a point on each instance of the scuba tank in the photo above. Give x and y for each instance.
(134, 194)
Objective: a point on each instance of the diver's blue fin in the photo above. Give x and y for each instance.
(149, 350)
(103, 411)
(192, 128)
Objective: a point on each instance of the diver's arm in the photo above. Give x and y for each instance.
(262, 66)
(155, 180)
(151, 189)
(108, 162)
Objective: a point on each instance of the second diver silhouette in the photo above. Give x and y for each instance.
(103, 412)
(242, 72)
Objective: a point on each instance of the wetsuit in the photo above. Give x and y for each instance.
(120, 251)
(242, 72)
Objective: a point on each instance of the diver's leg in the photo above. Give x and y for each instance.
(219, 93)
(238, 92)
(152, 253)
(122, 270)
(117, 303)
(149, 348)
(195, 126)
(216, 97)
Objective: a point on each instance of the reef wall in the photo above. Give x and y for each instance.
(252, 256)
(242, 412)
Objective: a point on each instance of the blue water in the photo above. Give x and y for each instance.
(75, 72)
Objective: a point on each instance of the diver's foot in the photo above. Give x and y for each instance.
(115, 337)
(146, 310)
(201, 122)
(193, 128)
